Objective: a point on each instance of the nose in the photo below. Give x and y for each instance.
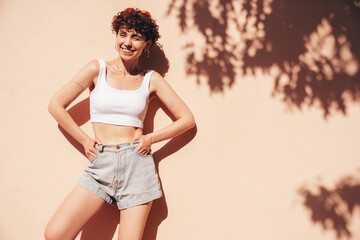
(127, 42)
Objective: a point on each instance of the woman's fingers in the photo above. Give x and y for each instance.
(143, 150)
(92, 153)
(98, 141)
(91, 156)
(93, 150)
(90, 150)
(145, 144)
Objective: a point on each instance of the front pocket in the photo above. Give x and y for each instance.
(96, 157)
(149, 153)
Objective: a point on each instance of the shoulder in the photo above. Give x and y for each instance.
(93, 66)
(155, 81)
(155, 77)
(158, 83)
(88, 72)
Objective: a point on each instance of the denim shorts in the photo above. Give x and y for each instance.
(120, 174)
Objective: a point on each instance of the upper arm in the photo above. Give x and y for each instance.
(168, 96)
(81, 81)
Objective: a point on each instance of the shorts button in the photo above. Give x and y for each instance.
(117, 147)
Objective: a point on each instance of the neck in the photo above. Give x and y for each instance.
(130, 67)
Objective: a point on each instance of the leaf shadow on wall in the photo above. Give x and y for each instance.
(334, 208)
(103, 225)
(310, 48)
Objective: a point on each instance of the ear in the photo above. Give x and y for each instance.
(148, 44)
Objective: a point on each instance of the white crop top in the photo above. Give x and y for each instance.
(118, 107)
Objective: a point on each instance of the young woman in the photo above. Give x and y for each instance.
(121, 169)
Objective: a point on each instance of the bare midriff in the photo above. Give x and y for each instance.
(110, 134)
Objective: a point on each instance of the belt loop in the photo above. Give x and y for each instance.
(98, 147)
(101, 148)
(132, 146)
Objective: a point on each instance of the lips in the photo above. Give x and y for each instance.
(127, 51)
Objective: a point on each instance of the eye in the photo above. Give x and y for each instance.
(122, 33)
(138, 37)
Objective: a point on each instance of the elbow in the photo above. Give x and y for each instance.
(191, 122)
(187, 122)
(52, 106)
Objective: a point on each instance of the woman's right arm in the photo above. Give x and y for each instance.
(65, 96)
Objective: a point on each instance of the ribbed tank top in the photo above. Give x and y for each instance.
(118, 107)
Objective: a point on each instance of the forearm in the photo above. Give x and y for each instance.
(172, 130)
(67, 123)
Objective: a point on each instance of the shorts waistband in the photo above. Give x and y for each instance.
(117, 147)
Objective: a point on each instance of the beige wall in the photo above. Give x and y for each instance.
(237, 176)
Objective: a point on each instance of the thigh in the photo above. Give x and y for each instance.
(132, 221)
(76, 209)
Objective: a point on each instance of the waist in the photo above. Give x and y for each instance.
(115, 134)
(117, 119)
(117, 147)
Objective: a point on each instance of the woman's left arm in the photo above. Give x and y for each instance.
(184, 117)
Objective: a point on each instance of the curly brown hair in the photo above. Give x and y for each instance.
(140, 21)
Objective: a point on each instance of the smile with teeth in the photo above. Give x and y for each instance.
(127, 50)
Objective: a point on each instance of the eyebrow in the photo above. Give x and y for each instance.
(134, 34)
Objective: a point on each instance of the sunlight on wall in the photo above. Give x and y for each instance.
(321, 48)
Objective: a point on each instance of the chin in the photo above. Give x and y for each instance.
(129, 57)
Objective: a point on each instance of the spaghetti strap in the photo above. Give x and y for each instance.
(102, 71)
(102, 66)
(147, 79)
(100, 75)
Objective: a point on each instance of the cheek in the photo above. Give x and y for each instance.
(141, 46)
(119, 40)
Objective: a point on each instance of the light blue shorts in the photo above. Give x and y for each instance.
(120, 174)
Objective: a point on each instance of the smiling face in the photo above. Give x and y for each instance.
(131, 44)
